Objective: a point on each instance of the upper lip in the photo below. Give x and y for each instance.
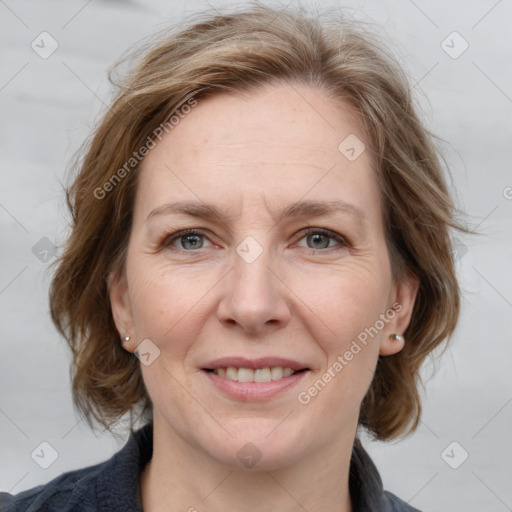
(262, 362)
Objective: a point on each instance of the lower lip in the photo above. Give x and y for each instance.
(247, 391)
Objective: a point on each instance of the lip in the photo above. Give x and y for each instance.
(254, 364)
(254, 391)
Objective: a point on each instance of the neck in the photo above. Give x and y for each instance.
(180, 477)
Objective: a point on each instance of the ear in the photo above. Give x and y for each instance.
(402, 301)
(121, 308)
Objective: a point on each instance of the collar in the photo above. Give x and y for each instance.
(118, 484)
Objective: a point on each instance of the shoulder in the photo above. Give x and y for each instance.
(395, 504)
(111, 486)
(69, 492)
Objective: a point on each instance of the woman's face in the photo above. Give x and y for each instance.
(287, 267)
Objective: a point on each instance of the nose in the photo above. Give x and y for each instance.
(255, 298)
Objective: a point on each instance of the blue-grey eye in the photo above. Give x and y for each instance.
(319, 240)
(194, 241)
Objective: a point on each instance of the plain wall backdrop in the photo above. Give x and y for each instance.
(458, 55)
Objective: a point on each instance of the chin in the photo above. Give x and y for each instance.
(260, 450)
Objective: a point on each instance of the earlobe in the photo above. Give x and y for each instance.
(393, 340)
(391, 345)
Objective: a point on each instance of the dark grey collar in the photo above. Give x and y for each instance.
(118, 487)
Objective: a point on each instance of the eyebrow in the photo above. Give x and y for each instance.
(304, 208)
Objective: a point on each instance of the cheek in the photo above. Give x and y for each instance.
(350, 351)
(342, 301)
(166, 309)
(164, 302)
(344, 308)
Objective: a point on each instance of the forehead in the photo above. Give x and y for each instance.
(274, 144)
(303, 119)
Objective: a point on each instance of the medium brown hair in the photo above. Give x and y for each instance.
(238, 52)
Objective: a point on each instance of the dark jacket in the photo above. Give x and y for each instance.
(113, 486)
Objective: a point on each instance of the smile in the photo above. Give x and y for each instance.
(253, 390)
(246, 379)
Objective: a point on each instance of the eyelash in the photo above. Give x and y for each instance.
(168, 239)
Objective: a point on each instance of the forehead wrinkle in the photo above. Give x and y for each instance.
(322, 151)
(298, 209)
(238, 163)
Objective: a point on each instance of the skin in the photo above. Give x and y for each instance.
(303, 298)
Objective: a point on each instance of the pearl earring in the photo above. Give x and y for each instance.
(397, 337)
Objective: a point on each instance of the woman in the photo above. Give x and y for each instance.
(259, 263)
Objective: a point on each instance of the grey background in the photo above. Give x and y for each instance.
(48, 106)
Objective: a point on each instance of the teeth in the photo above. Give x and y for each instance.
(245, 375)
(276, 372)
(259, 375)
(262, 375)
(231, 373)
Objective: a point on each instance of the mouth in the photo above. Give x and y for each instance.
(254, 379)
